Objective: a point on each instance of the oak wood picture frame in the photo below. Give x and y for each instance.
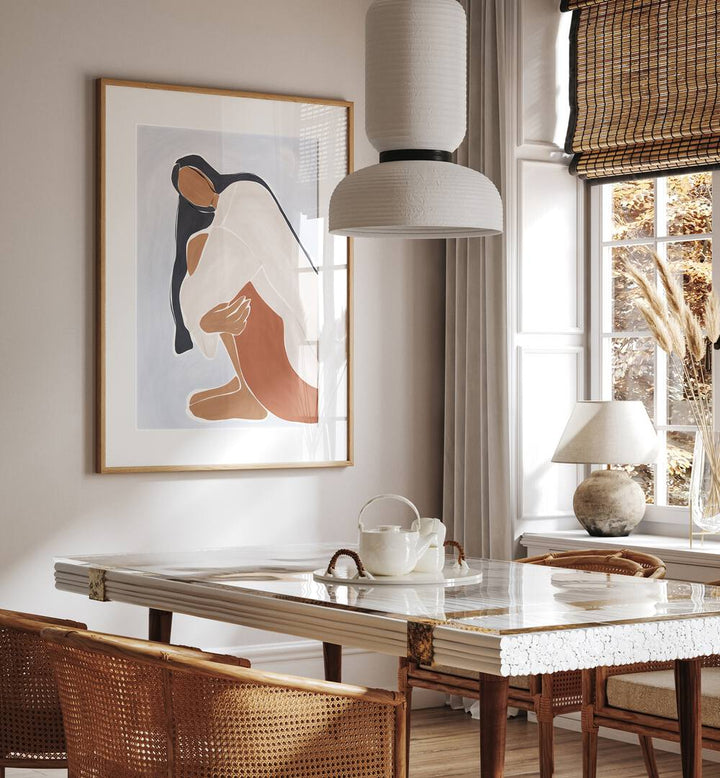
(103, 465)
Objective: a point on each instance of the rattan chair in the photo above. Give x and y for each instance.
(545, 695)
(135, 709)
(31, 728)
(623, 562)
(641, 699)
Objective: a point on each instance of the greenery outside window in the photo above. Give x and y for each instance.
(673, 215)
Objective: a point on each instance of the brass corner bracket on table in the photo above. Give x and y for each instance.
(96, 584)
(420, 642)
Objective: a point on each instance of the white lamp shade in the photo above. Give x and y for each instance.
(415, 74)
(415, 116)
(416, 199)
(614, 432)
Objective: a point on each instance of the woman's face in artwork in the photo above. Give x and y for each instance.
(196, 188)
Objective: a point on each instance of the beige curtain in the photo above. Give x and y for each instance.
(476, 488)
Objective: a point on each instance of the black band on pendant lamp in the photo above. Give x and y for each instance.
(433, 155)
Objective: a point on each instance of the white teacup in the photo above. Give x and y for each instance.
(433, 560)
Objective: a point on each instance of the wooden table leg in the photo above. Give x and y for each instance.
(159, 625)
(687, 693)
(493, 724)
(590, 729)
(544, 713)
(332, 659)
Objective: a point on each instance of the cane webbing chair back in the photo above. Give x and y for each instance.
(135, 709)
(623, 562)
(31, 726)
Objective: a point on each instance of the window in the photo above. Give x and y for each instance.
(672, 215)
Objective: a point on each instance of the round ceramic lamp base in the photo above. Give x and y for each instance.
(609, 503)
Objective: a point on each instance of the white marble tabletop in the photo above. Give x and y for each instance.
(518, 619)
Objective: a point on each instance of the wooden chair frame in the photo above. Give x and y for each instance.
(32, 624)
(621, 562)
(548, 695)
(596, 713)
(232, 669)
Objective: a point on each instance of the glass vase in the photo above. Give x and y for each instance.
(705, 484)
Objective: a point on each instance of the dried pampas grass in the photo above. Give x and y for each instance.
(673, 290)
(649, 292)
(712, 317)
(675, 327)
(656, 325)
(694, 335)
(677, 336)
(678, 331)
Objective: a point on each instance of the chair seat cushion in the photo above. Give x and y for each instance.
(654, 693)
(516, 681)
(520, 682)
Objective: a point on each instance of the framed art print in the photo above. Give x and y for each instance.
(224, 305)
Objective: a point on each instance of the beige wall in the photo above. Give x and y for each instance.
(51, 502)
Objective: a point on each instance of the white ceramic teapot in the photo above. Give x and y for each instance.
(389, 549)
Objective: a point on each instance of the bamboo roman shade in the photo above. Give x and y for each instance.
(644, 89)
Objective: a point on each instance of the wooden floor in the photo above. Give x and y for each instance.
(446, 744)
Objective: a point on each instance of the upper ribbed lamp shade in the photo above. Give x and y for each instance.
(614, 432)
(416, 106)
(415, 74)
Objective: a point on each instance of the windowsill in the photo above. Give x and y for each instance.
(704, 553)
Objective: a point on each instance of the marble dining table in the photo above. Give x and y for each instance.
(508, 619)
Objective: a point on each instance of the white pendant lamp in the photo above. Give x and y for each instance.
(416, 109)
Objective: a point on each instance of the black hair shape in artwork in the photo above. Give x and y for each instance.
(193, 218)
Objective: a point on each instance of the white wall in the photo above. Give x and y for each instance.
(51, 502)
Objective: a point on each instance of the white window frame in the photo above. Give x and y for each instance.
(600, 276)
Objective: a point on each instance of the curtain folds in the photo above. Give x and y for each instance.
(476, 482)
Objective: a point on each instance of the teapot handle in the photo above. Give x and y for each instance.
(386, 497)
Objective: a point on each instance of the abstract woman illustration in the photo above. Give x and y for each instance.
(235, 286)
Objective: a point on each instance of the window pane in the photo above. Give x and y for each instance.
(633, 209)
(626, 317)
(691, 261)
(679, 466)
(633, 371)
(689, 204)
(684, 386)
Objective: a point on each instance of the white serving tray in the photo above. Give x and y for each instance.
(448, 577)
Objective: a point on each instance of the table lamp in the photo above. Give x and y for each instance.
(608, 503)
